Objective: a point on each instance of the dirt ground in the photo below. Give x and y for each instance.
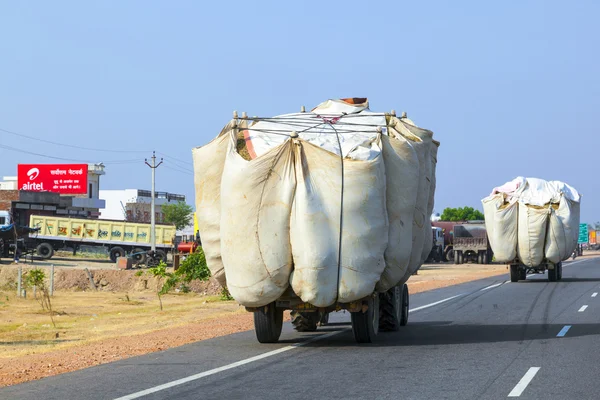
(122, 318)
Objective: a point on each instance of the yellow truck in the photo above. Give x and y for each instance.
(121, 238)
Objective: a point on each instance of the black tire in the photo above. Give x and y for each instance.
(138, 255)
(559, 271)
(515, 273)
(268, 322)
(448, 255)
(484, 258)
(390, 309)
(305, 322)
(405, 306)
(115, 253)
(479, 258)
(553, 274)
(44, 251)
(460, 257)
(161, 255)
(523, 274)
(365, 325)
(456, 258)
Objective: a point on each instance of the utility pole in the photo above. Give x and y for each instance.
(152, 213)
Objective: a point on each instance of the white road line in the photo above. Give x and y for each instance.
(525, 380)
(492, 286)
(226, 367)
(594, 294)
(582, 309)
(564, 331)
(434, 304)
(201, 375)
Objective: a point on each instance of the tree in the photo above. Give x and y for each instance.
(36, 278)
(178, 213)
(461, 214)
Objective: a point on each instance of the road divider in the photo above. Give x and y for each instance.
(524, 382)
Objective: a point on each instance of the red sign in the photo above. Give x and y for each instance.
(59, 178)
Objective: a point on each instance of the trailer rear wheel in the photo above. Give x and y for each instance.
(305, 322)
(553, 274)
(405, 305)
(161, 255)
(484, 258)
(268, 322)
(115, 253)
(522, 274)
(480, 258)
(559, 271)
(139, 255)
(459, 255)
(515, 273)
(44, 250)
(390, 309)
(365, 325)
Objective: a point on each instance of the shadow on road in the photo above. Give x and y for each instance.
(444, 333)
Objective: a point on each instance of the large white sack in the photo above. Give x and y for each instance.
(402, 183)
(256, 202)
(532, 225)
(501, 221)
(209, 161)
(421, 140)
(563, 230)
(315, 226)
(428, 242)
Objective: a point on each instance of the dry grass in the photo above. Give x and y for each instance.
(91, 316)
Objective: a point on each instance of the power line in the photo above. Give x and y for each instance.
(131, 161)
(71, 145)
(174, 159)
(181, 170)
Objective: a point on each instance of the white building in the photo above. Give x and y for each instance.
(9, 183)
(134, 204)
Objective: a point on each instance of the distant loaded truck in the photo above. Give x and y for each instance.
(471, 243)
(119, 237)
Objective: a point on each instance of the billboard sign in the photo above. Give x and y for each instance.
(58, 178)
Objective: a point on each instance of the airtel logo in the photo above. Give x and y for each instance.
(33, 173)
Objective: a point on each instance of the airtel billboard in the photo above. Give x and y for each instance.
(58, 178)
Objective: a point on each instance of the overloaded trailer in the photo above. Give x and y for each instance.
(533, 225)
(317, 212)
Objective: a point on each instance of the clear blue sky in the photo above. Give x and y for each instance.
(509, 88)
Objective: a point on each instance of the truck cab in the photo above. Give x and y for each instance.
(4, 219)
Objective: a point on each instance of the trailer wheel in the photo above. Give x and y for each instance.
(44, 250)
(479, 258)
(522, 274)
(115, 253)
(323, 318)
(405, 305)
(268, 322)
(390, 309)
(448, 255)
(139, 255)
(559, 271)
(456, 258)
(161, 255)
(553, 274)
(484, 258)
(515, 273)
(460, 257)
(365, 325)
(305, 322)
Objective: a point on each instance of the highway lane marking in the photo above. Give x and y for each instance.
(594, 294)
(214, 371)
(525, 380)
(564, 331)
(434, 304)
(493, 286)
(226, 367)
(582, 309)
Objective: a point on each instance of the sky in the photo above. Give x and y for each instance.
(508, 88)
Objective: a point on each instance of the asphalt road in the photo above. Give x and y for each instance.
(487, 339)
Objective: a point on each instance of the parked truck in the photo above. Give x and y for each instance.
(437, 248)
(471, 243)
(119, 237)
